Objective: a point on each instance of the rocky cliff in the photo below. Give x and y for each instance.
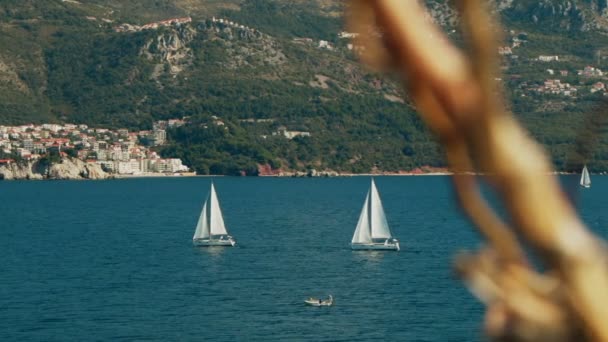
(68, 168)
(19, 171)
(553, 16)
(224, 44)
(72, 168)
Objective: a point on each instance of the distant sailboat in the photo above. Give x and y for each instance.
(372, 232)
(210, 229)
(585, 179)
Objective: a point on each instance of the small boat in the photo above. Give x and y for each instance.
(320, 302)
(210, 229)
(585, 179)
(372, 232)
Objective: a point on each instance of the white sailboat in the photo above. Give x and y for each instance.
(372, 232)
(210, 228)
(585, 179)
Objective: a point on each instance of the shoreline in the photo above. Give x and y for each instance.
(358, 175)
(404, 174)
(299, 175)
(158, 175)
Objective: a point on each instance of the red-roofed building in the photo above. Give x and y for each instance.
(598, 86)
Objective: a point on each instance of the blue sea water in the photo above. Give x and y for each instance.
(113, 260)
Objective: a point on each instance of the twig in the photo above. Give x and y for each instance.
(458, 98)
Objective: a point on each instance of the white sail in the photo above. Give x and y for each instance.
(379, 225)
(362, 232)
(585, 179)
(202, 226)
(216, 221)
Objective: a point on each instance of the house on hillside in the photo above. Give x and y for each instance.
(504, 50)
(598, 86)
(590, 71)
(548, 58)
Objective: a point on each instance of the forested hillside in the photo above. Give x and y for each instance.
(271, 82)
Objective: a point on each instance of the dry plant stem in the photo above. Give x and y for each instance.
(483, 39)
(515, 288)
(489, 224)
(552, 227)
(470, 110)
(418, 44)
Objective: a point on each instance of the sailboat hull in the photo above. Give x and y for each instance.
(214, 242)
(377, 246)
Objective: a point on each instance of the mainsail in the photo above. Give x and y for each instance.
(585, 179)
(379, 225)
(216, 221)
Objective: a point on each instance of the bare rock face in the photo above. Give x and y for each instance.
(9, 74)
(71, 168)
(171, 50)
(18, 171)
(570, 15)
(68, 168)
(94, 171)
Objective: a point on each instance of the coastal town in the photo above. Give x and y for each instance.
(118, 152)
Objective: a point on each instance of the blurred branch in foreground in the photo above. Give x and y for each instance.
(457, 96)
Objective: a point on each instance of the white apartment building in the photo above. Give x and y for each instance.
(52, 127)
(107, 165)
(160, 136)
(167, 165)
(28, 144)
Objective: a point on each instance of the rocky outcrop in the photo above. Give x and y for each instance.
(570, 15)
(72, 168)
(67, 168)
(9, 75)
(19, 171)
(171, 49)
(230, 45)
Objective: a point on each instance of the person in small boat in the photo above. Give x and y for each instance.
(320, 301)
